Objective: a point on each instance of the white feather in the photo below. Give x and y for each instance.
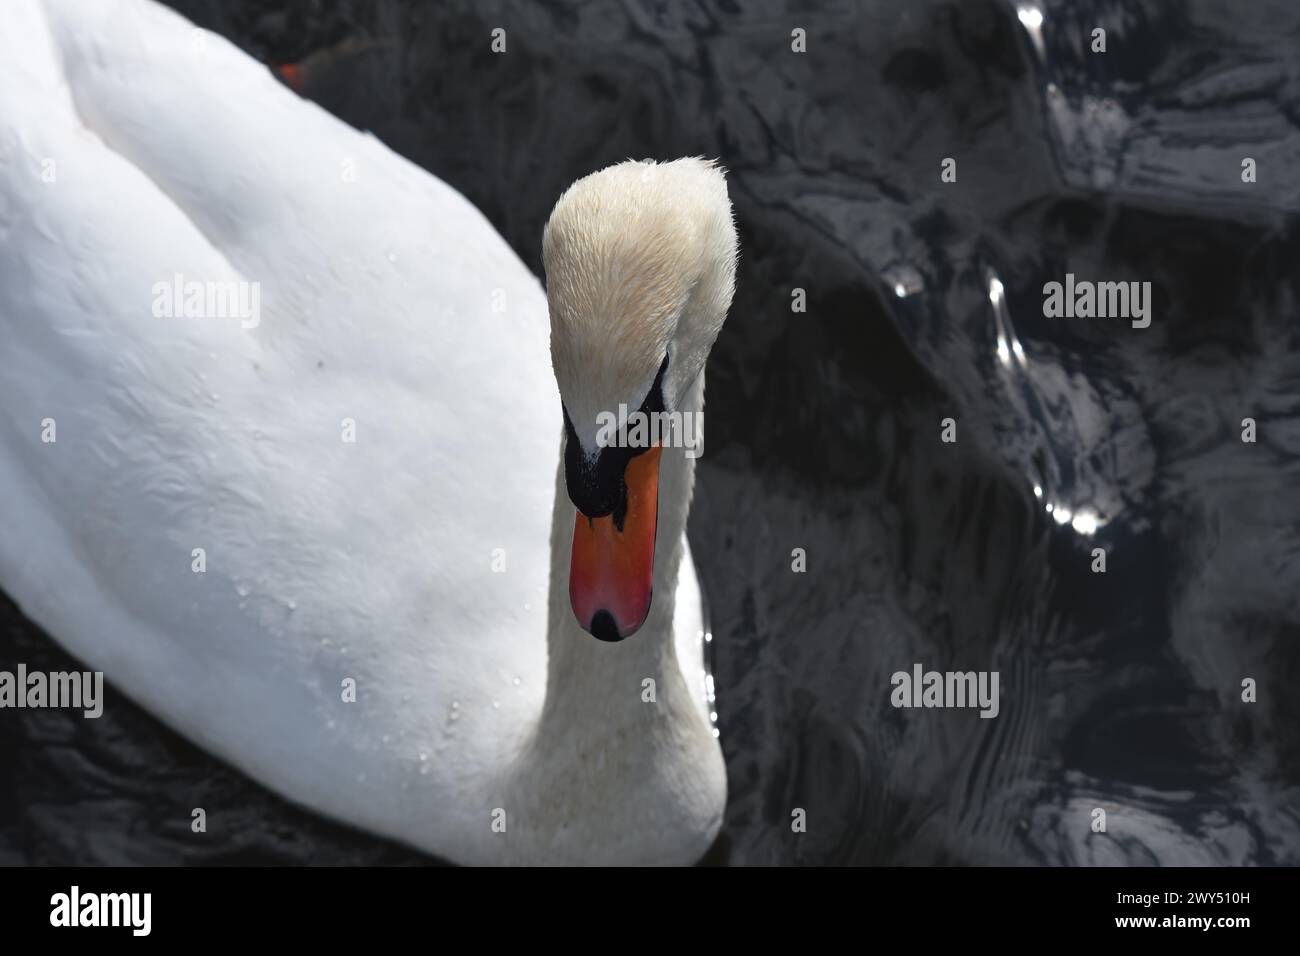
(134, 148)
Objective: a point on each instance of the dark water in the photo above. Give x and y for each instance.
(1121, 690)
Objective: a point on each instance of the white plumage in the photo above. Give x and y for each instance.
(417, 560)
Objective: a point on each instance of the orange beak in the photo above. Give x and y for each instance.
(611, 578)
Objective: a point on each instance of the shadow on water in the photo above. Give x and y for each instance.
(924, 301)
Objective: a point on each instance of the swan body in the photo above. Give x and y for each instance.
(331, 545)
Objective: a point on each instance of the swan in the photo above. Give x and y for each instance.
(325, 521)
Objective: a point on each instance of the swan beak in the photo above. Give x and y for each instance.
(611, 578)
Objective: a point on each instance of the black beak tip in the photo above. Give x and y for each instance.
(603, 628)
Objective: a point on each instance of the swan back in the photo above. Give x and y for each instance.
(237, 521)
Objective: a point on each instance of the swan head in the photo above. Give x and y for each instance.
(640, 263)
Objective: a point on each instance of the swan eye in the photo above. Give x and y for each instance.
(654, 399)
